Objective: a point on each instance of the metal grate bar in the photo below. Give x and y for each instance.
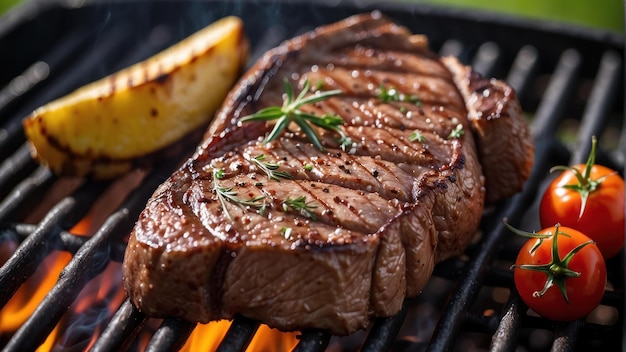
(523, 70)
(487, 59)
(557, 95)
(30, 80)
(452, 47)
(14, 168)
(506, 335)
(600, 103)
(467, 288)
(68, 241)
(24, 191)
(122, 329)
(23, 83)
(313, 340)
(566, 335)
(384, 331)
(170, 336)
(239, 335)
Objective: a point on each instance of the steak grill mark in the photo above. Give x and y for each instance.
(597, 62)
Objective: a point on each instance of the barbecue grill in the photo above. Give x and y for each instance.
(569, 81)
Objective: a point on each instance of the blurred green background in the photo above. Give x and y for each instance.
(605, 14)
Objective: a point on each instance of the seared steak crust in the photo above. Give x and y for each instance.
(381, 213)
(495, 116)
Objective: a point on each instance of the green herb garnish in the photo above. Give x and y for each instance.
(301, 206)
(225, 194)
(290, 112)
(392, 94)
(269, 168)
(457, 132)
(285, 231)
(585, 185)
(417, 136)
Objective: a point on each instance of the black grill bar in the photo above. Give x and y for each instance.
(18, 198)
(506, 335)
(385, 331)
(170, 336)
(469, 284)
(486, 60)
(15, 167)
(313, 340)
(559, 63)
(557, 96)
(566, 335)
(603, 96)
(121, 330)
(68, 241)
(239, 334)
(523, 70)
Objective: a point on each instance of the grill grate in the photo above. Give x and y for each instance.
(567, 78)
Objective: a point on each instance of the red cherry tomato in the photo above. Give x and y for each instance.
(600, 216)
(578, 274)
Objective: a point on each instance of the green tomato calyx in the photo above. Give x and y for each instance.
(557, 270)
(585, 185)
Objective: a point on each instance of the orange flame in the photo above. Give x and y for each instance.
(207, 337)
(23, 303)
(267, 339)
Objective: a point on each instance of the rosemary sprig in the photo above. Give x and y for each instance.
(227, 194)
(290, 112)
(271, 169)
(301, 206)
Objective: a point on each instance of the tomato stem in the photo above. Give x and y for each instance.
(524, 233)
(585, 185)
(557, 270)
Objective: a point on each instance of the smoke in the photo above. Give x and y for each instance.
(92, 310)
(82, 329)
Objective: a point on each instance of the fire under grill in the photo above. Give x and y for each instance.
(569, 81)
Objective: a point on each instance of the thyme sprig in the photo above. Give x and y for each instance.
(271, 169)
(457, 132)
(417, 136)
(290, 112)
(301, 206)
(227, 194)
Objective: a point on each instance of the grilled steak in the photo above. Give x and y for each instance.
(342, 234)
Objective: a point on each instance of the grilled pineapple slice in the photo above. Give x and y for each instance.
(102, 128)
